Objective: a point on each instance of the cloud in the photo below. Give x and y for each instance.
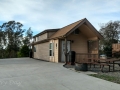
(45, 14)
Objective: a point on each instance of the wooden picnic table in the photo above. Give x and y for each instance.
(101, 62)
(109, 61)
(113, 61)
(93, 61)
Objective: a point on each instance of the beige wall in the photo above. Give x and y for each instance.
(56, 51)
(93, 47)
(93, 38)
(42, 51)
(79, 44)
(42, 37)
(50, 34)
(84, 29)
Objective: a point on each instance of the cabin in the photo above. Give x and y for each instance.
(55, 44)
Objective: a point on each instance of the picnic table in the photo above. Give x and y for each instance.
(109, 61)
(101, 62)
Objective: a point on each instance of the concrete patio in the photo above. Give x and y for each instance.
(31, 74)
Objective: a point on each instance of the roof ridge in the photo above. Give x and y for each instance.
(53, 36)
(73, 23)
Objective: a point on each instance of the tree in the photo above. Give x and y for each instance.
(24, 51)
(28, 37)
(2, 43)
(12, 38)
(110, 32)
(12, 34)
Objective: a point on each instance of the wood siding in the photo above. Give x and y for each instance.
(93, 47)
(42, 37)
(116, 47)
(79, 44)
(55, 58)
(56, 50)
(42, 51)
(50, 34)
(86, 31)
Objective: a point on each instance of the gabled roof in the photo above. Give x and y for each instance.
(65, 31)
(45, 31)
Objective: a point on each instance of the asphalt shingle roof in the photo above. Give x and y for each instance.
(63, 31)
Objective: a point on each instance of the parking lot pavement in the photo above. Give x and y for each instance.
(32, 74)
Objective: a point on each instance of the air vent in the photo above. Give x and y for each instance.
(76, 31)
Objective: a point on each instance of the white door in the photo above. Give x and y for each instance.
(63, 50)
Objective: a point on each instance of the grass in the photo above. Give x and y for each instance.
(106, 77)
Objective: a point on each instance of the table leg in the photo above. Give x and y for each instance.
(109, 68)
(90, 65)
(113, 65)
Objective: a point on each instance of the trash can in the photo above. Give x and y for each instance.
(81, 67)
(72, 57)
(30, 54)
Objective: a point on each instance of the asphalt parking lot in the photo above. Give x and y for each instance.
(32, 74)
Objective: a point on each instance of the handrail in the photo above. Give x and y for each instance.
(80, 57)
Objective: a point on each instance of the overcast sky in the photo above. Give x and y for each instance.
(48, 14)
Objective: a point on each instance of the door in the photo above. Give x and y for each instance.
(63, 50)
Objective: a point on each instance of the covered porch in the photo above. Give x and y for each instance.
(83, 41)
(80, 37)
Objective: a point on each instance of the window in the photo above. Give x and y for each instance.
(51, 45)
(34, 49)
(76, 31)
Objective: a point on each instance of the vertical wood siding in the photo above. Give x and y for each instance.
(56, 52)
(50, 34)
(42, 51)
(79, 44)
(116, 47)
(42, 37)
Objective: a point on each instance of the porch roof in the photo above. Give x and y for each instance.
(65, 31)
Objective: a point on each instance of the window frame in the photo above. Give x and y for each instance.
(34, 49)
(51, 49)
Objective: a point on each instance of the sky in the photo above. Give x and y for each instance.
(50, 14)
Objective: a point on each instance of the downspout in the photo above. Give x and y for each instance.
(98, 47)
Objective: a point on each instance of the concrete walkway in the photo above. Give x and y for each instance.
(31, 74)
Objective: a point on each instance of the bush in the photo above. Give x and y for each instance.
(24, 51)
(108, 51)
(19, 54)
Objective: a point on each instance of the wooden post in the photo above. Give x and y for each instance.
(98, 48)
(66, 61)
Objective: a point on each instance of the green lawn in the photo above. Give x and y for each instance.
(107, 77)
